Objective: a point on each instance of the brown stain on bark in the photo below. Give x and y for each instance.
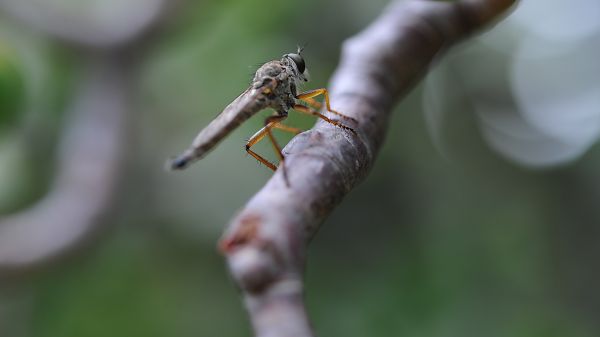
(246, 232)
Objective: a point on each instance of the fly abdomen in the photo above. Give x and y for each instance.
(242, 108)
(201, 146)
(180, 162)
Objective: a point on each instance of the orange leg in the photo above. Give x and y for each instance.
(286, 128)
(272, 122)
(257, 137)
(313, 112)
(308, 96)
(313, 103)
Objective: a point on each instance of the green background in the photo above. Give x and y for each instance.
(426, 246)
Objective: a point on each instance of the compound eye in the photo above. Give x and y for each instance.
(299, 62)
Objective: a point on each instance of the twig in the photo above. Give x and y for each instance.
(91, 154)
(90, 161)
(123, 24)
(265, 244)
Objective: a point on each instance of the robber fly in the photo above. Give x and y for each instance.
(274, 86)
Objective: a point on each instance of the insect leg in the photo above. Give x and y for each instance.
(276, 147)
(313, 103)
(308, 96)
(313, 112)
(286, 128)
(261, 134)
(255, 139)
(270, 123)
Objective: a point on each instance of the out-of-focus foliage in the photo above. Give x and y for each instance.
(34, 85)
(11, 87)
(457, 242)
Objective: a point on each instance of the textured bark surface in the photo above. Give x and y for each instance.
(265, 244)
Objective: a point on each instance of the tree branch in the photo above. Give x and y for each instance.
(117, 26)
(90, 166)
(265, 244)
(91, 162)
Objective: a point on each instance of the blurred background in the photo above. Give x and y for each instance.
(479, 218)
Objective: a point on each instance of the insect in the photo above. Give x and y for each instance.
(274, 86)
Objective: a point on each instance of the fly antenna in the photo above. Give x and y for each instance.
(301, 48)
